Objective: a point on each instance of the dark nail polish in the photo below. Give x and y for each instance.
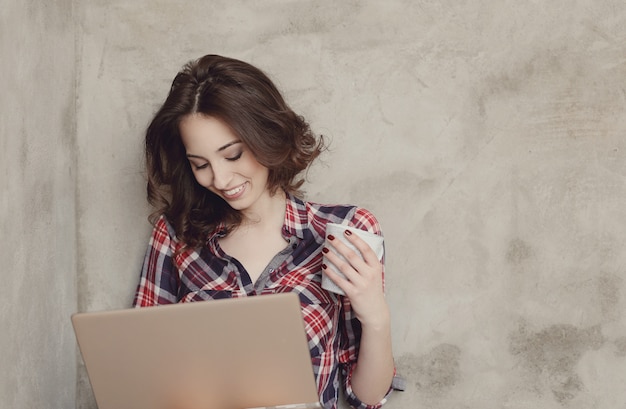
(331, 237)
(324, 266)
(348, 233)
(325, 250)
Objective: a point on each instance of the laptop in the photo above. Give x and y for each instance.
(240, 353)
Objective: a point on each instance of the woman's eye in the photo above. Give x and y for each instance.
(234, 158)
(201, 166)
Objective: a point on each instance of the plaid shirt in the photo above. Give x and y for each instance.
(170, 275)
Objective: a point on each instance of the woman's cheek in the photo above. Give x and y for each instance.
(203, 178)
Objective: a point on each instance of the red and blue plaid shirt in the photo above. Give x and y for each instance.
(172, 274)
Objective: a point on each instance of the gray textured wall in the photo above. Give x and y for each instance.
(487, 136)
(37, 194)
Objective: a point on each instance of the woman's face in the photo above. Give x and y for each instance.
(222, 163)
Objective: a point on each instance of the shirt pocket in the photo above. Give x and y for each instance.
(200, 285)
(205, 294)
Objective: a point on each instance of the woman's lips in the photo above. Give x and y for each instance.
(234, 193)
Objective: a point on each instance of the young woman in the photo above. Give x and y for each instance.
(224, 154)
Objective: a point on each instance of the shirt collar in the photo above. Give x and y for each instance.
(295, 217)
(218, 232)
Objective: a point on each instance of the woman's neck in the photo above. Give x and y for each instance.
(268, 213)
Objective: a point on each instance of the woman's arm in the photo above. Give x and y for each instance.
(374, 370)
(363, 285)
(158, 283)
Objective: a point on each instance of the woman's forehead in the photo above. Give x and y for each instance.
(206, 133)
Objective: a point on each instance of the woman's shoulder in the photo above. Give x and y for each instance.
(351, 215)
(161, 226)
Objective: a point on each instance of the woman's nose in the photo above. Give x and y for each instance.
(221, 177)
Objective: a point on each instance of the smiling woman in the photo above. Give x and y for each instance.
(224, 154)
(249, 107)
(222, 163)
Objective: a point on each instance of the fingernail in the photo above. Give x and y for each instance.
(331, 237)
(348, 232)
(325, 250)
(324, 266)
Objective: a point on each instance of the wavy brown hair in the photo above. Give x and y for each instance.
(245, 99)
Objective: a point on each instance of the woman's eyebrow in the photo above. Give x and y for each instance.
(189, 155)
(229, 144)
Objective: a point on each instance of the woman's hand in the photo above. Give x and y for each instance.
(363, 282)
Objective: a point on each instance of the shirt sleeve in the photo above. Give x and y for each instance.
(159, 280)
(351, 327)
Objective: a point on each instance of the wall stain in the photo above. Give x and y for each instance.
(620, 345)
(551, 355)
(518, 252)
(609, 286)
(434, 372)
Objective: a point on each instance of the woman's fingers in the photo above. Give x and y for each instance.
(367, 253)
(348, 266)
(357, 253)
(340, 281)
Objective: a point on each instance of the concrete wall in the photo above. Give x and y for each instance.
(37, 212)
(487, 136)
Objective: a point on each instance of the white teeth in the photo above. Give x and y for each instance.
(234, 191)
